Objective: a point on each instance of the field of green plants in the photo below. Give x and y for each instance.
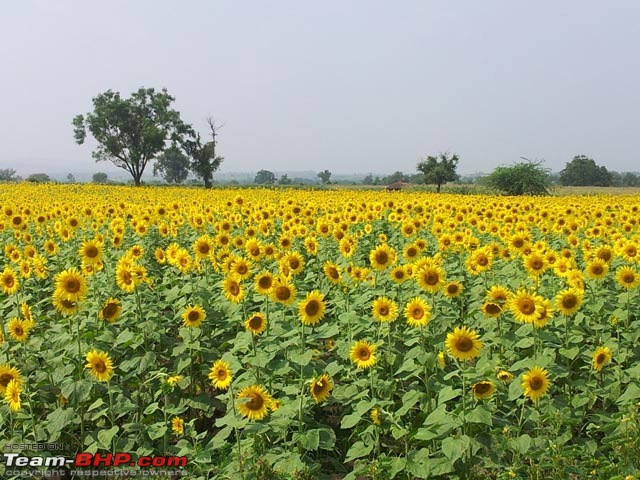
(292, 334)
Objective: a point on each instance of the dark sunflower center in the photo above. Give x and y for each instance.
(383, 310)
(294, 263)
(242, 269)
(18, 330)
(265, 282)
(518, 242)
(312, 308)
(333, 273)
(283, 293)
(536, 383)
(597, 269)
(527, 306)
(255, 251)
(364, 354)
(452, 289)
(482, 388)
(411, 252)
(203, 248)
(399, 274)
(464, 344)
(9, 281)
(631, 251)
(193, 316)
(91, 252)
(110, 310)
(492, 308)
(482, 261)
(255, 322)
(234, 289)
(628, 277)
(417, 313)
(536, 264)
(604, 255)
(255, 403)
(72, 286)
(600, 358)
(569, 301)
(221, 374)
(318, 387)
(431, 278)
(382, 258)
(99, 366)
(5, 378)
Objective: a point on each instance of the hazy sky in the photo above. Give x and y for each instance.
(347, 85)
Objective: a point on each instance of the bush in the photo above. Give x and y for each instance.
(525, 178)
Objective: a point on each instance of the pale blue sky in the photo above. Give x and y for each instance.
(352, 86)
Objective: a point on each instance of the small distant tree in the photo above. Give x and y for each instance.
(285, 180)
(368, 180)
(7, 175)
(38, 178)
(172, 165)
(395, 177)
(583, 171)
(204, 161)
(71, 178)
(265, 177)
(524, 178)
(439, 170)
(325, 177)
(630, 180)
(100, 177)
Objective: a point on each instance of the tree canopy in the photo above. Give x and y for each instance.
(439, 170)
(325, 176)
(265, 177)
(524, 178)
(204, 161)
(172, 165)
(583, 171)
(131, 131)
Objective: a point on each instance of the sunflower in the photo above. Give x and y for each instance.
(263, 282)
(597, 268)
(220, 375)
(568, 301)
(12, 395)
(505, 376)
(283, 292)
(71, 285)
(484, 389)
(294, 261)
(463, 344)
(498, 294)
(332, 272)
(9, 281)
(174, 380)
(627, 277)
(479, 261)
(321, 388)
(233, 289)
(254, 402)
(399, 274)
(544, 312)
(535, 383)
(375, 415)
(311, 309)
(491, 309)
(523, 305)
(442, 360)
(363, 354)
(193, 316)
(27, 314)
(7, 374)
(452, 289)
(256, 323)
(90, 252)
(203, 247)
(18, 329)
(382, 257)
(177, 425)
(601, 357)
(241, 268)
(125, 278)
(430, 278)
(64, 306)
(99, 365)
(384, 309)
(111, 310)
(417, 312)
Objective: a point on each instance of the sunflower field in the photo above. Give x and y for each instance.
(298, 334)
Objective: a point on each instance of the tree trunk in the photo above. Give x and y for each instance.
(437, 188)
(207, 182)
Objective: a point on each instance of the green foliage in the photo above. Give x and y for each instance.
(38, 178)
(172, 165)
(265, 177)
(7, 175)
(100, 177)
(325, 176)
(204, 161)
(439, 170)
(524, 178)
(284, 180)
(583, 171)
(130, 132)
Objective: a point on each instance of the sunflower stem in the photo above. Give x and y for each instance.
(111, 418)
(237, 434)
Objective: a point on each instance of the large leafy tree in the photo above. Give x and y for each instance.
(204, 161)
(583, 171)
(439, 170)
(131, 132)
(265, 177)
(172, 165)
(524, 178)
